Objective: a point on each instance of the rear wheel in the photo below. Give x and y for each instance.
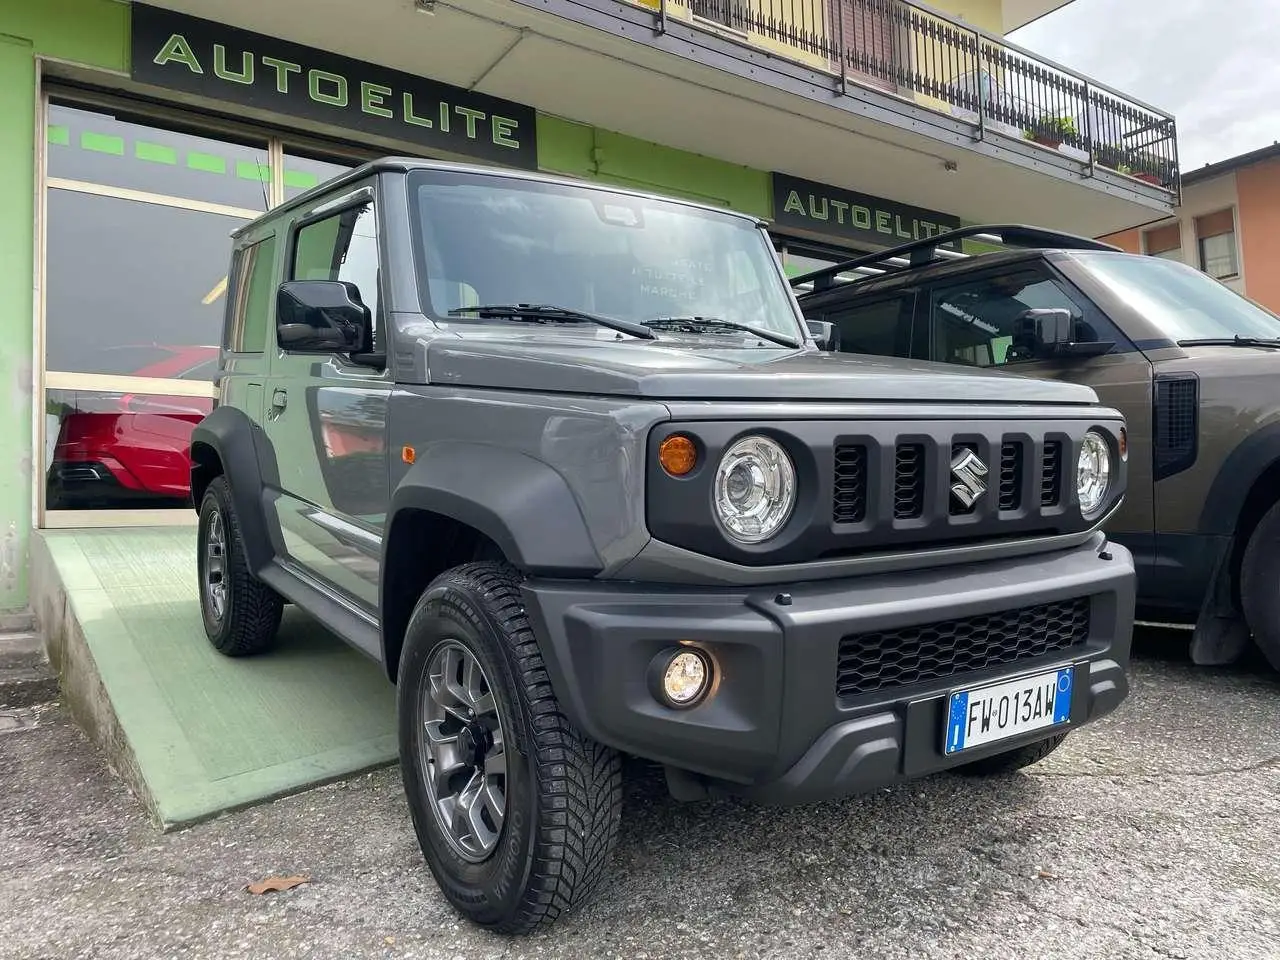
(1260, 585)
(1012, 760)
(515, 810)
(241, 613)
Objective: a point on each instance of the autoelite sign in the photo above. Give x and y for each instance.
(844, 215)
(209, 59)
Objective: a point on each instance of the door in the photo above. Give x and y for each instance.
(971, 322)
(325, 416)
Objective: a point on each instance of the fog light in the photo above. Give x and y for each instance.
(686, 678)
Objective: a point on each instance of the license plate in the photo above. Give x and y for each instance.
(996, 712)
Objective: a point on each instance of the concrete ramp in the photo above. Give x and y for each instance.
(192, 732)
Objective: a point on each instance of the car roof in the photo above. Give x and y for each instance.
(932, 258)
(396, 164)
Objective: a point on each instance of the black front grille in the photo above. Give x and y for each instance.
(908, 481)
(1051, 476)
(1010, 475)
(933, 651)
(850, 500)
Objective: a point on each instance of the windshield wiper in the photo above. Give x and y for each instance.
(546, 313)
(693, 324)
(1236, 341)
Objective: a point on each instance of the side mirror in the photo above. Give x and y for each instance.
(1048, 333)
(825, 334)
(322, 316)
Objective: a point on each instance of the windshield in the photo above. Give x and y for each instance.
(1183, 302)
(483, 240)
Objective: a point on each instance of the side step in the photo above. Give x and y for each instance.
(25, 675)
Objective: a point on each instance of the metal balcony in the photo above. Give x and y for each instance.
(933, 61)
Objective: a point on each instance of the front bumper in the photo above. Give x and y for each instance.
(777, 728)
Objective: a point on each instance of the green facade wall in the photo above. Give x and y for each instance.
(581, 150)
(91, 32)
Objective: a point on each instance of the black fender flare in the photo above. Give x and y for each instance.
(229, 434)
(520, 503)
(1236, 478)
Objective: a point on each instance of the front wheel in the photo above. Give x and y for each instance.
(1260, 585)
(1012, 760)
(515, 810)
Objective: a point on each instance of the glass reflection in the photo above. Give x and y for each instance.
(117, 450)
(134, 288)
(98, 147)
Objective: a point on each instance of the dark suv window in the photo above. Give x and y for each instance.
(881, 328)
(972, 322)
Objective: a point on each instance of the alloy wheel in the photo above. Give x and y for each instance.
(215, 565)
(462, 751)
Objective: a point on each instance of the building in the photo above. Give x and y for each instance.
(134, 137)
(1227, 224)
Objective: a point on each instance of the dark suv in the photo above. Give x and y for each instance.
(1191, 364)
(565, 461)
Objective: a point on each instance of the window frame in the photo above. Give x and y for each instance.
(362, 194)
(181, 119)
(240, 281)
(1090, 312)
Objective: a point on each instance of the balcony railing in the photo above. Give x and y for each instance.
(913, 52)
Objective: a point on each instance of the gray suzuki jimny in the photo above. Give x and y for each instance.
(567, 462)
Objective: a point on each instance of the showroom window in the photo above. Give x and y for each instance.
(139, 203)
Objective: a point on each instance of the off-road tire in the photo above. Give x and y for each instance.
(563, 790)
(251, 617)
(1011, 760)
(1260, 585)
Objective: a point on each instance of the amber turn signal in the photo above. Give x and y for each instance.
(678, 455)
(1124, 444)
(408, 454)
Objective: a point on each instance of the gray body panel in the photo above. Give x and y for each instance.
(362, 478)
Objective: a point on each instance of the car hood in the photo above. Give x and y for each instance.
(677, 370)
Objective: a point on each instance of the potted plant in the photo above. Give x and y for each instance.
(1051, 131)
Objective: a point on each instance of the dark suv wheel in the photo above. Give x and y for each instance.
(241, 613)
(516, 811)
(1260, 585)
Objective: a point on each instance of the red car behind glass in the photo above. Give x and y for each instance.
(131, 450)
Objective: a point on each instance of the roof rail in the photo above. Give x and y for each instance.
(929, 249)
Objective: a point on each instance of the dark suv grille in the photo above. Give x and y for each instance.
(850, 484)
(934, 651)
(912, 479)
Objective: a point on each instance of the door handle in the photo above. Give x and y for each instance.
(279, 399)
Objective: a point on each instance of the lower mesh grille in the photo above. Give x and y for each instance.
(933, 651)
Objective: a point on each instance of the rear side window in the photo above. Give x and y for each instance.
(251, 302)
(881, 328)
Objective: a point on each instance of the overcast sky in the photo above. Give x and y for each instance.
(1213, 64)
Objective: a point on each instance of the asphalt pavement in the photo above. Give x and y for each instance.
(1151, 834)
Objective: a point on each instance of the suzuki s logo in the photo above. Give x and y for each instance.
(969, 473)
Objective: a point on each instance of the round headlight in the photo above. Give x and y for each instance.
(755, 489)
(1093, 472)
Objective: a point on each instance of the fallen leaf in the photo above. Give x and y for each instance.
(1044, 874)
(276, 883)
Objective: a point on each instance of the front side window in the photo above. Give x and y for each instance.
(973, 323)
(1182, 302)
(499, 241)
(342, 247)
